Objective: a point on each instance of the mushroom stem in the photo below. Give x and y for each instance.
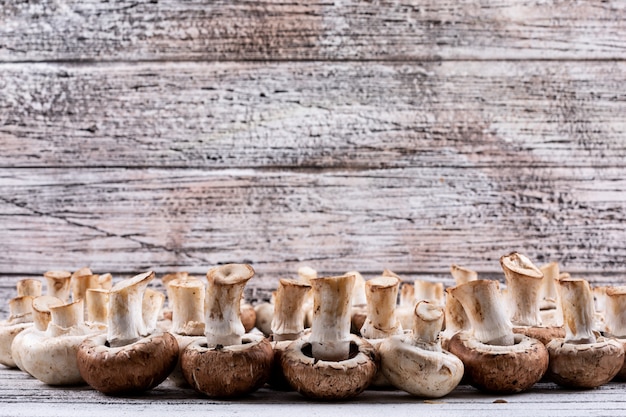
(429, 291)
(548, 285)
(125, 323)
(578, 310)
(382, 295)
(462, 275)
(21, 309)
(222, 311)
(330, 330)
(288, 319)
(64, 317)
(28, 287)
(615, 311)
(166, 279)
(58, 284)
(483, 305)
(97, 301)
(359, 298)
(41, 310)
(407, 295)
(187, 303)
(151, 308)
(524, 281)
(427, 324)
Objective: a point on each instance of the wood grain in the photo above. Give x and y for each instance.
(278, 30)
(312, 114)
(414, 220)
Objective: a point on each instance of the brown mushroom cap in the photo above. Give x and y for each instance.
(136, 367)
(501, 369)
(228, 371)
(587, 365)
(328, 380)
(544, 334)
(248, 317)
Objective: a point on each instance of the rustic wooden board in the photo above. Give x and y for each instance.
(21, 395)
(314, 114)
(413, 220)
(278, 30)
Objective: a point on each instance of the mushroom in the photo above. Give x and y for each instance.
(428, 291)
(406, 305)
(41, 318)
(58, 284)
(20, 318)
(165, 280)
(28, 287)
(359, 303)
(455, 319)
(248, 315)
(305, 275)
(187, 305)
(495, 359)
(227, 362)
(615, 317)
(581, 359)
(524, 282)
(415, 362)
(330, 363)
(550, 305)
(264, 312)
(115, 362)
(97, 300)
(50, 356)
(287, 324)
(462, 275)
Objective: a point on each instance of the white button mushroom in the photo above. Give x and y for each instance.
(415, 362)
(20, 319)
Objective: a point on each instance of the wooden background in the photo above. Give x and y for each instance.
(409, 135)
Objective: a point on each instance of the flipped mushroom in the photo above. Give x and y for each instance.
(456, 319)
(20, 319)
(50, 356)
(117, 362)
(330, 363)
(228, 362)
(524, 283)
(187, 306)
(287, 324)
(581, 359)
(495, 359)
(415, 362)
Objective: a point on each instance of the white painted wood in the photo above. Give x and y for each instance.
(240, 30)
(356, 115)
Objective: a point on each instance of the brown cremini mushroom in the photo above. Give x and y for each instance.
(227, 362)
(581, 359)
(127, 358)
(495, 359)
(330, 363)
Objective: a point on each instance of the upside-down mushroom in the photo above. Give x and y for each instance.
(115, 362)
(20, 319)
(415, 362)
(495, 359)
(227, 362)
(50, 356)
(581, 359)
(287, 324)
(524, 283)
(330, 363)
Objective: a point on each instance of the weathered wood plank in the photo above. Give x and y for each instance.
(21, 395)
(349, 115)
(418, 220)
(278, 30)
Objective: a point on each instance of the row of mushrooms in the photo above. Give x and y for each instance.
(329, 338)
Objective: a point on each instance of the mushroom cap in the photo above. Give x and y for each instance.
(501, 369)
(248, 317)
(228, 371)
(586, 365)
(544, 334)
(8, 332)
(135, 367)
(277, 378)
(329, 380)
(420, 372)
(621, 375)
